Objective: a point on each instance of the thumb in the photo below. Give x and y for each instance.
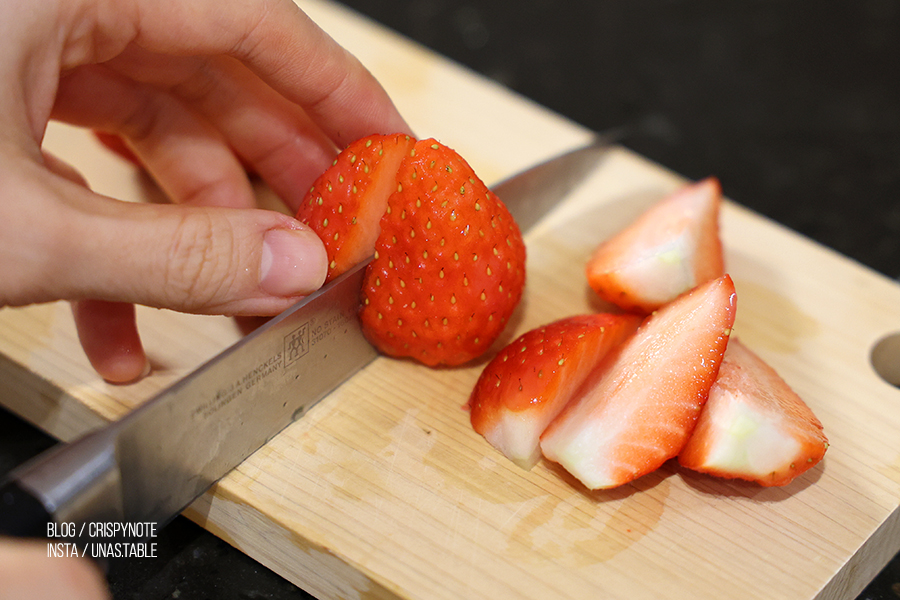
(204, 260)
(193, 259)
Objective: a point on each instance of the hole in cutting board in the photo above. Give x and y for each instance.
(885, 358)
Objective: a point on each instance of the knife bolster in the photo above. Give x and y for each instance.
(21, 513)
(80, 485)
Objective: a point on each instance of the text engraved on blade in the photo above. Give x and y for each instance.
(298, 342)
(329, 327)
(296, 345)
(225, 394)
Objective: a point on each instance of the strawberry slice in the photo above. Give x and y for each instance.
(530, 381)
(754, 426)
(671, 248)
(645, 399)
(449, 264)
(346, 203)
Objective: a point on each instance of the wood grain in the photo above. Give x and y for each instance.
(384, 491)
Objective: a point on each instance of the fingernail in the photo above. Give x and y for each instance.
(294, 262)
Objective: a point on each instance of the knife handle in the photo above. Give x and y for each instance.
(22, 514)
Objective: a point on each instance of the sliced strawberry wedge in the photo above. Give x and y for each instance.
(346, 203)
(671, 248)
(530, 381)
(754, 426)
(640, 408)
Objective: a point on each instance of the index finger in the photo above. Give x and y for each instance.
(275, 39)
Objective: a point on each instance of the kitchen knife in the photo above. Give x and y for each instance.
(151, 464)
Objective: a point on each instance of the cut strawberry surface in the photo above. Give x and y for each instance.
(671, 248)
(449, 265)
(530, 381)
(754, 426)
(641, 405)
(345, 204)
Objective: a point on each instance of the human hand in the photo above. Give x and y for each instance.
(27, 572)
(197, 89)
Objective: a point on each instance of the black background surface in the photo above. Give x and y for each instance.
(794, 106)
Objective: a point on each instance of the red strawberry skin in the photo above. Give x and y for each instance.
(642, 405)
(530, 381)
(754, 426)
(449, 265)
(345, 204)
(671, 248)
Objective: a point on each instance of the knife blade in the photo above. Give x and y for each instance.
(150, 465)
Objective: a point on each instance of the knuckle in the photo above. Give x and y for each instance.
(203, 83)
(255, 31)
(200, 263)
(142, 119)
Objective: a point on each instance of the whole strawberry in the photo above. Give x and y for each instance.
(449, 265)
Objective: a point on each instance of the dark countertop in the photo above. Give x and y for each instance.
(795, 107)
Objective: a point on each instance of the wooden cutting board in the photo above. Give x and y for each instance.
(384, 491)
